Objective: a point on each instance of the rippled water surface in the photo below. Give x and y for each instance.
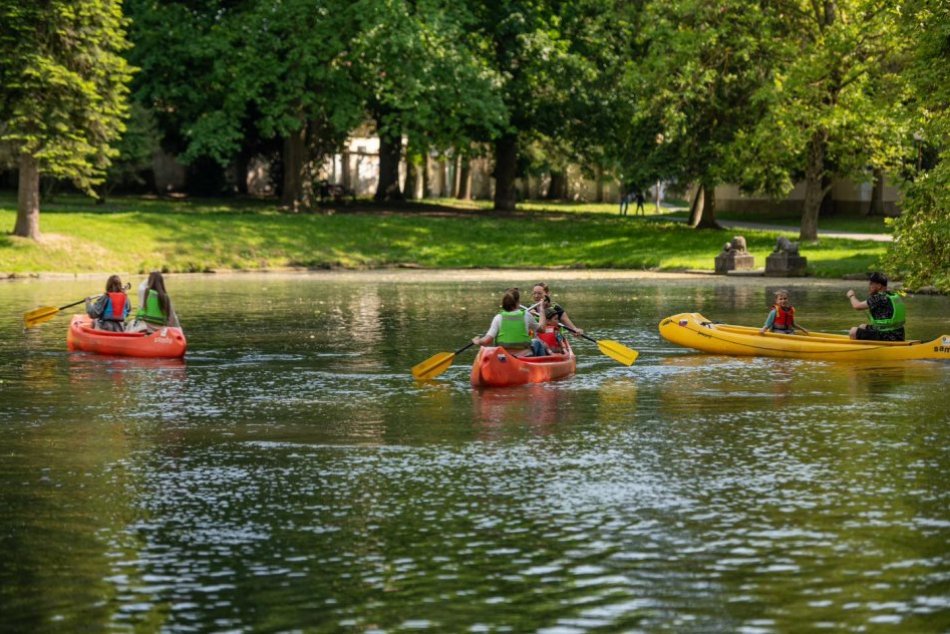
(289, 474)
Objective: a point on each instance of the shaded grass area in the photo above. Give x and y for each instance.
(136, 235)
(856, 224)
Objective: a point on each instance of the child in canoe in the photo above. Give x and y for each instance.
(155, 310)
(549, 327)
(513, 327)
(111, 308)
(781, 318)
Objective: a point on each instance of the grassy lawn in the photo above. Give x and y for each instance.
(856, 224)
(565, 207)
(137, 235)
(675, 208)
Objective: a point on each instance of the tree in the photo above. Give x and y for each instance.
(701, 64)
(63, 93)
(921, 247)
(227, 77)
(834, 105)
(554, 62)
(135, 149)
(422, 79)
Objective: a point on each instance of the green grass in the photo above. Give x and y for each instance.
(564, 207)
(137, 235)
(856, 224)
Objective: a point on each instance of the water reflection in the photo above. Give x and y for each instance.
(290, 474)
(534, 409)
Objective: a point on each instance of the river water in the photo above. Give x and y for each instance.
(289, 474)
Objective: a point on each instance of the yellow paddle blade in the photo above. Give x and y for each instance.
(433, 366)
(39, 315)
(617, 351)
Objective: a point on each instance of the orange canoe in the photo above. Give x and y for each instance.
(496, 367)
(164, 342)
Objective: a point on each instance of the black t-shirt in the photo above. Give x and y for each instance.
(880, 306)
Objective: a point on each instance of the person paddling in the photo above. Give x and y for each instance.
(540, 293)
(513, 327)
(781, 318)
(110, 309)
(886, 313)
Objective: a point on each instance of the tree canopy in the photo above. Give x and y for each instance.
(64, 93)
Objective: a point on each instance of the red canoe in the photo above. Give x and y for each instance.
(496, 367)
(164, 342)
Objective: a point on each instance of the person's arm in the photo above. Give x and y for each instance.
(530, 322)
(567, 322)
(489, 336)
(768, 322)
(855, 302)
(128, 307)
(95, 308)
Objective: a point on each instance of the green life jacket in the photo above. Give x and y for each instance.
(513, 333)
(896, 320)
(152, 311)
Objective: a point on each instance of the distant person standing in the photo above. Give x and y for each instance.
(640, 200)
(625, 198)
(885, 312)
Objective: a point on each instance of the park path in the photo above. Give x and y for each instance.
(761, 226)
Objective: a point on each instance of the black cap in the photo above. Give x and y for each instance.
(878, 278)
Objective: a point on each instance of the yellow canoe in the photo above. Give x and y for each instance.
(692, 330)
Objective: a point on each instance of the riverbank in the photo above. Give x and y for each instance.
(514, 276)
(135, 235)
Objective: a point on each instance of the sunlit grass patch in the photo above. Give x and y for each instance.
(202, 235)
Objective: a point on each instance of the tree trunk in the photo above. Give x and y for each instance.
(426, 184)
(390, 153)
(599, 175)
(506, 167)
(557, 190)
(706, 214)
(814, 191)
(465, 179)
(28, 199)
(241, 164)
(294, 159)
(413, 179)
(455, 170)
(696, 208)
(876, 208)
(439, 183)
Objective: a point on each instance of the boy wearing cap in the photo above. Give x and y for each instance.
(885, 312)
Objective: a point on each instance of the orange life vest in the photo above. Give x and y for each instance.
(549, 336)
(117, 303)
(784, 319)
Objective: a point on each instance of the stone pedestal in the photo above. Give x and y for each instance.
(784, 264)
(734, 261)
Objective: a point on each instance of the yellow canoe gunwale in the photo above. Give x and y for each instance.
(692, 330)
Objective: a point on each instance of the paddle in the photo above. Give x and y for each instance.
(436, 364)
(43, 314)
(613, 349)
